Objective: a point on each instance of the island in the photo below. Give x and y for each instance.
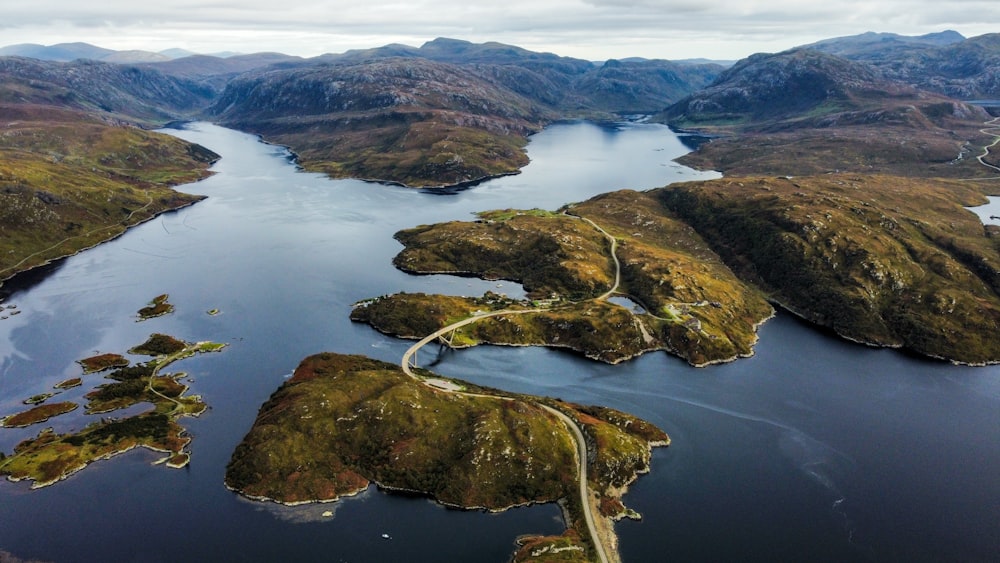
(102, 362)
(50, 457)
(572, 263)
(69, 383)
(37, 414)
(159, 306)
(344, 421)
(881, 260)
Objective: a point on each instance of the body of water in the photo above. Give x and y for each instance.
(813, 450)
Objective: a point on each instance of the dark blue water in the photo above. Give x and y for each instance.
(814, 449)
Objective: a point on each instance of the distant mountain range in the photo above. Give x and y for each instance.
(65, 52)
(944, 62)
(452, 111)
(805, 111)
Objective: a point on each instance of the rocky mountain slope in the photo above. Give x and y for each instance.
(967, 69)
(879, 259)
(804, 111)
(216, 72)
(407, 120)
(449, 112)
(74, 171)
(123, 92)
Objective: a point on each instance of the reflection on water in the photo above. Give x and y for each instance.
(814, 449)
(628, 304)
(989, 213)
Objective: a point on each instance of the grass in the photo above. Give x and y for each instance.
(343, 421)
(549, 253)
(879, 259)
(665, 265)
(69, 181)
(51, 457)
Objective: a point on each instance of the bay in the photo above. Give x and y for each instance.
(814, 449)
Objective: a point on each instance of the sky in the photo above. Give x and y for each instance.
(588, 29)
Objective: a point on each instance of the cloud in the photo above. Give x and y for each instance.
(594, 29)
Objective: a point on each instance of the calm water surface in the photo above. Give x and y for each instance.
(813, 450)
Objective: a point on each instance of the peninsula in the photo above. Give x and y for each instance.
(570, 262)
(342, 422)
(883, 260)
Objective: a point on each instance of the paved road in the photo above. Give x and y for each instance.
(614, 255)
(581, 443)
(992, 130)
(575, 431)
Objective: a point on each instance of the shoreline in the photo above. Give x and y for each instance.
(49, 261)
(590, 356)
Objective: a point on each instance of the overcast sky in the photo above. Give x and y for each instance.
(589, 29)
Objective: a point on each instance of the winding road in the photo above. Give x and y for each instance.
(581, 443)
(992, 129)
(577, 433)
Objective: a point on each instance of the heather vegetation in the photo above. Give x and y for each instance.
(806, 112)
(550, 254)
(102, 362)
(449, 112)
(159, 306)
(37, 414)
(695, 306)
(69, 181)
(50, 457)
(342, 422)
(879, 259)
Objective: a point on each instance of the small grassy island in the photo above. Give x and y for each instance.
(37, 414)
(342, 422)
(69, 383)
(158, 307)
(51, 457)
(102, 362)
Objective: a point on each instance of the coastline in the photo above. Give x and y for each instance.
(591, 356)
(48, 261)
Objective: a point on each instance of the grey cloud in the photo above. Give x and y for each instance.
(657, 28)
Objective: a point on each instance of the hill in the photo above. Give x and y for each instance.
(69, 180)
(342, 422)
(65, 52)
(946, 63)
(405, 120)
(882, 260)
(806, 112)
(122, 92)
(74, 171)
(872, 42)
(695, 307)
(215, 72)
(449, 112)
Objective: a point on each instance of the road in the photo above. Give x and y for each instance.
(614, 256)
(573, 427)
(991, 130)
(581, 443)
